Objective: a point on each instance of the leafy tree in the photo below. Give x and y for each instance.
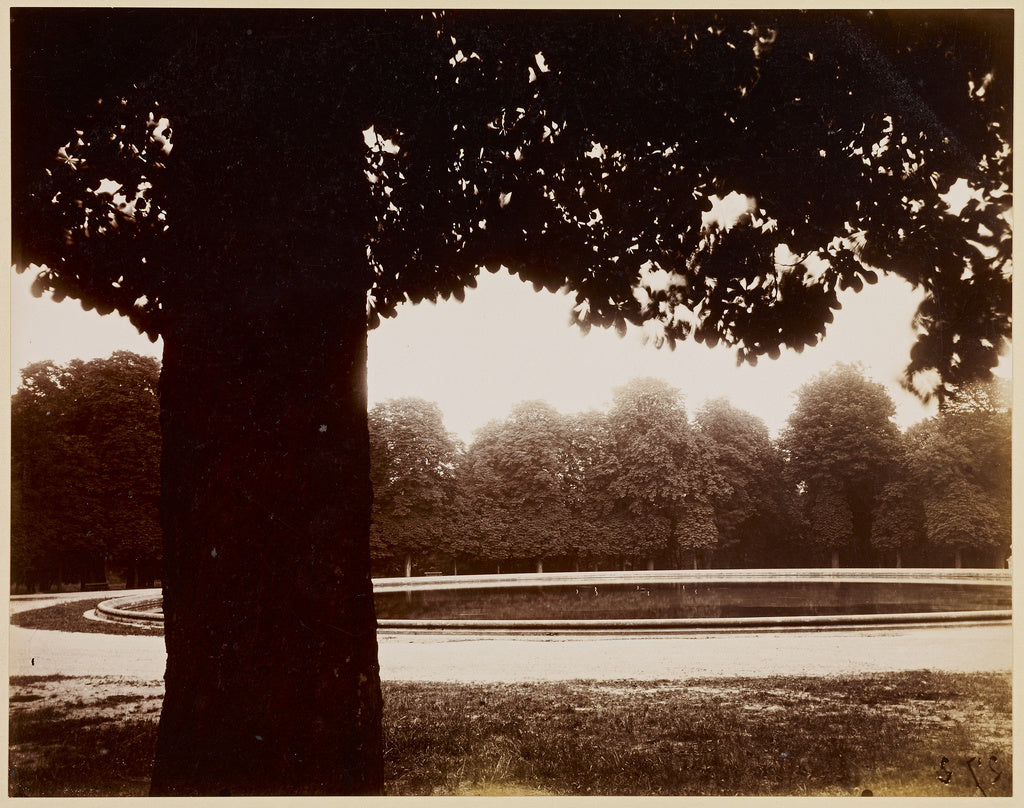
(965, 516)
(951, 494)
(85, 455)
(253, 184)
(482, 522)
(757, 516)
(994, 396)
(843, 446)
(413, 461)
(119, 403)
(696, 533)
(665, 473)
(592, 537)
(830, 520)
(521, 463)
(958, 468)
(898, 523)
(51, 476)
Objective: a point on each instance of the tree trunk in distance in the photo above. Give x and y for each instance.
(835, 559)
(650, 563)
(899, 560)
(272, 684)
(540, 565)
(408, 566)
(958, 558)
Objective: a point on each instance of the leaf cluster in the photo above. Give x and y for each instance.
(392, 155)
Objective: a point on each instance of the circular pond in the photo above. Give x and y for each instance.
(675, 599)
(670, 599)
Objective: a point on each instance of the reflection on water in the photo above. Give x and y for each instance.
(669, 601)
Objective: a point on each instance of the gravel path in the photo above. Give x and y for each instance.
(967, 648)
(469, 658)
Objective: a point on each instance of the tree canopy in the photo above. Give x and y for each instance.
(842, 445)
(530, 140)
(957, 471)
(413, 462)
(755, 512)
(520, 461)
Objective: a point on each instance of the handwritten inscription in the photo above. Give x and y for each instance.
(983, 777)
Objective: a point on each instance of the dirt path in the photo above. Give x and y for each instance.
(969, 648)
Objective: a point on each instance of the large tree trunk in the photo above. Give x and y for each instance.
(272, 682)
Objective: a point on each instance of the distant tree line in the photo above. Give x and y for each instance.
(641, 485)
(85, 473)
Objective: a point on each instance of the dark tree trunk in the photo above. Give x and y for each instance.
(272, 683)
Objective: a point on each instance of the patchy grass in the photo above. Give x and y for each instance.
(754, 737)
(69, 617)
(777, 736)
(98, 758)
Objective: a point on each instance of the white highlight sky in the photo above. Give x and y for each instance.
(507, 343)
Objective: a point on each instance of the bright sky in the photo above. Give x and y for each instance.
(507, 343)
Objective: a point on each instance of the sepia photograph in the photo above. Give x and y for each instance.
(510, 402)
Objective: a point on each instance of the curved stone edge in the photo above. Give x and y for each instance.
(687, 623)
(151, 625)
(975, 577)
(127, 609)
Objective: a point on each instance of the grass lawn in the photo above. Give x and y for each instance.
(68, 617)
(887, 733)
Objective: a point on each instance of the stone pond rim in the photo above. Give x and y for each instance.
(145, 608)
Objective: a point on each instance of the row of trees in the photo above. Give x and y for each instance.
(85, 473)
(644, 485)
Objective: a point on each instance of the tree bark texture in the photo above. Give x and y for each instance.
(272, 682)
